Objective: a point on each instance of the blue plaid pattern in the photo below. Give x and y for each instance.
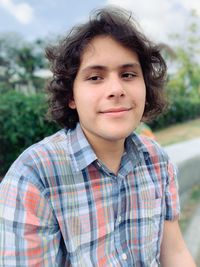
(60, 206)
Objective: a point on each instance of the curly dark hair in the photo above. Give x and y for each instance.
(65, 60)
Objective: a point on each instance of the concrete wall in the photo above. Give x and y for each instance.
(186, 156)
(189, 173)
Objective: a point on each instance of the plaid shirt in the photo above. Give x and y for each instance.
(60, 206)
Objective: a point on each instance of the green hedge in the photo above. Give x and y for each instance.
(22, 123)
(180, 109)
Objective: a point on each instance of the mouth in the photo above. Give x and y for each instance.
(116, 111)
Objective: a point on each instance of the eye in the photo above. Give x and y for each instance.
(94, 78)
(128, 75)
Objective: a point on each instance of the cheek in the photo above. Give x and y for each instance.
(139, 95)
(84, 103)
(144, 96)
(88, 98)
(142, 93)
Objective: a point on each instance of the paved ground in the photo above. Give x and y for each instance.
(180, 154)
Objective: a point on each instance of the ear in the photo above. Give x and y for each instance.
(72, 104)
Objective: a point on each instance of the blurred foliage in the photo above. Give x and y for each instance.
(19, 61)
(183, 87)
(180, 109)
(22, 120)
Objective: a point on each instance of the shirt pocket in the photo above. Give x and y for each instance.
(150, 217)
(146, 229)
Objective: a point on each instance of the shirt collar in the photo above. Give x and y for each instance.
(137, 144)
(135, 152)
(81, 152)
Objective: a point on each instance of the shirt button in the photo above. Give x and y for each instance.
(119, 219)
(124, 256)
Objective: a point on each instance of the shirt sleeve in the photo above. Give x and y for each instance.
(172, 202)
(29, 234)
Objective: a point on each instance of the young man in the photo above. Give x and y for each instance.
(95, 193)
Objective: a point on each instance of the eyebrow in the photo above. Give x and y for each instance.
(101, 67)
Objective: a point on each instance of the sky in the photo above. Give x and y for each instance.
(35, 19)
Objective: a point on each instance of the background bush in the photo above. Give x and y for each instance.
(22, 123)
(180, 109)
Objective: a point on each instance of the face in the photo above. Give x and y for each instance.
(109, 91)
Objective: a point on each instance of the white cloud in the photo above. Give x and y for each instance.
(160, 18)
(191, 4)
(23, 12)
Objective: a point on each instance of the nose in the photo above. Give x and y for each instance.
(115, 88)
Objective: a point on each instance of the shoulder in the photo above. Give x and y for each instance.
(41, 161)
(50, 147)
(157, 158)
(149, 147)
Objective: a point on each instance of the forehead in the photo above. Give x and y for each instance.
(105, 48)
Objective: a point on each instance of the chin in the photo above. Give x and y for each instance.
(118, 135)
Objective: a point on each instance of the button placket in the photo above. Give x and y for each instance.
(119, 218)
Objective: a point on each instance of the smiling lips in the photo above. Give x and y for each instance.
(115, 111)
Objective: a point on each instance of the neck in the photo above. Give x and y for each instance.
(109, 152)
